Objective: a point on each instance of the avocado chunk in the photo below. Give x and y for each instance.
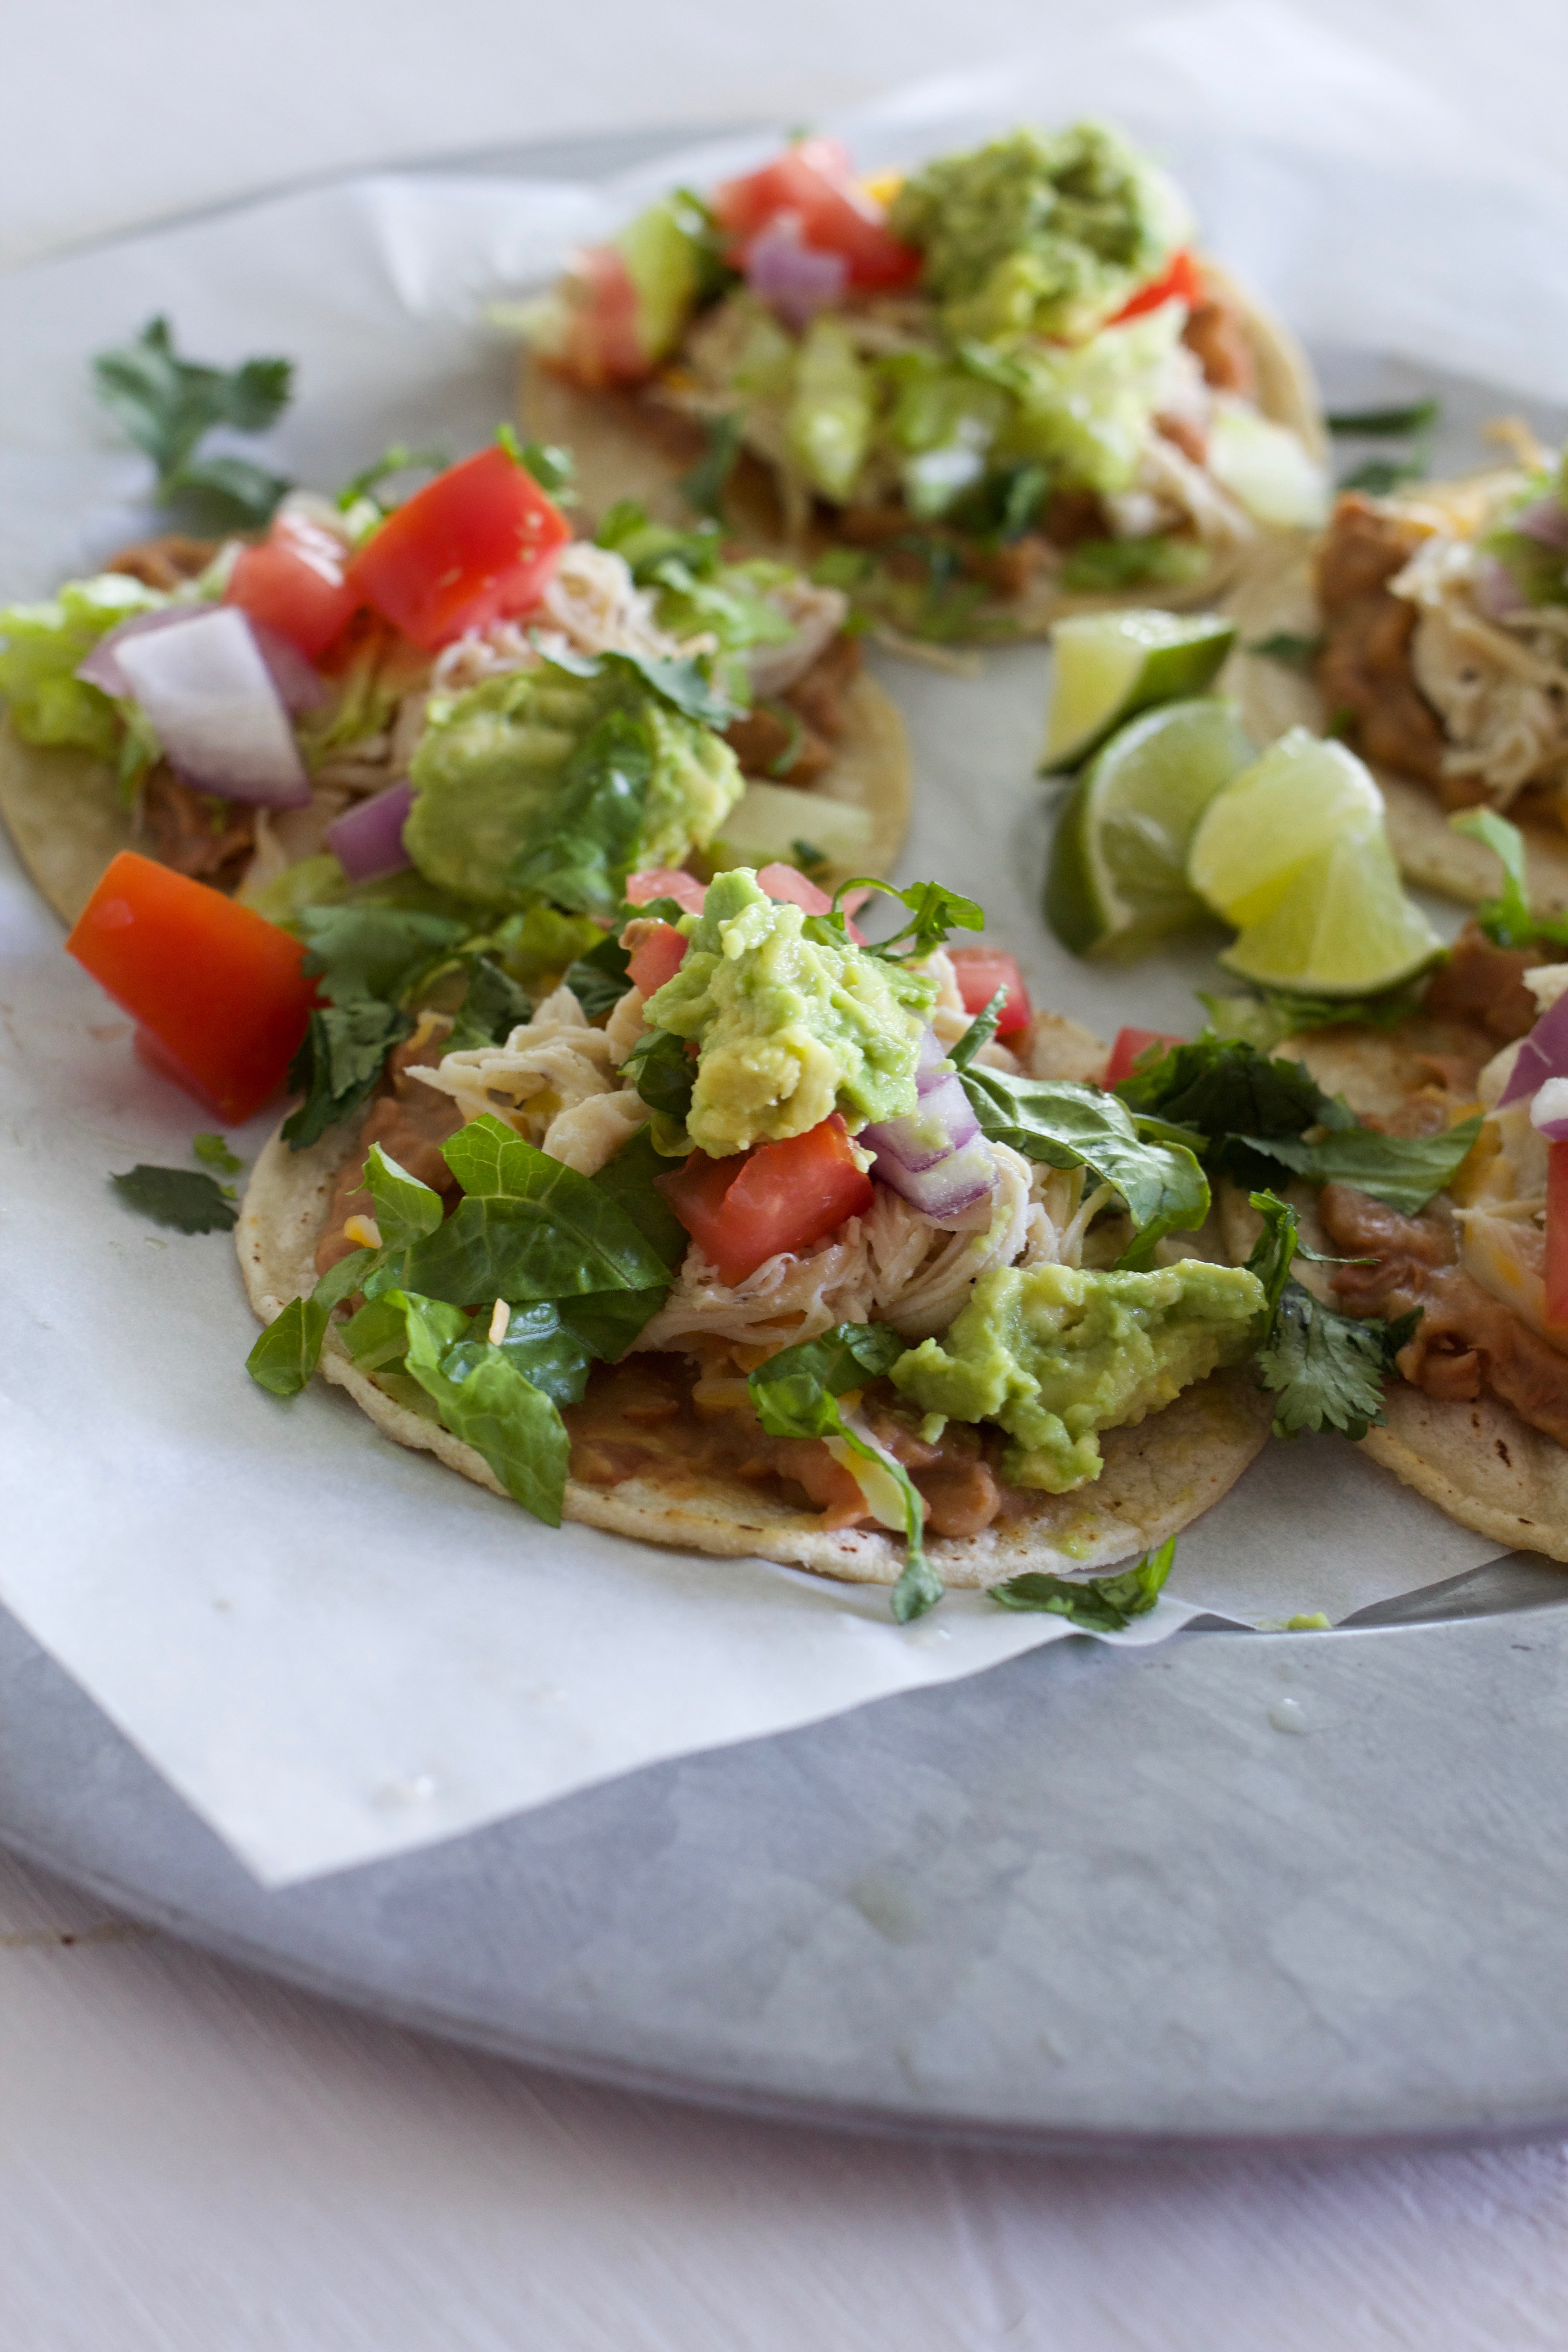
(1054, 1354)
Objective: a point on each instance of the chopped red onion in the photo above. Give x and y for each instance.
(1498, 592)
(300, 687)
(1545, 520)
(665, 882)
(367, 839)
(211, 697)
(1549, 1111)
(936, 1157)
(790, 276)
(1543, 1055)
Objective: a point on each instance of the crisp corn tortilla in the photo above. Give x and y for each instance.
(1479, 1463)
(620, 455)
(1273, 594)
(1158, 1476)
(64, 811)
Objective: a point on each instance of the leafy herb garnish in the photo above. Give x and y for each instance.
(177, 1197)
(395, 459)
(1069, 1125)
(214, 1153)
(1287, 646)
(1386, 424)
(703, 487)
(1099, 1604)
(663, 1072)
(797, 1394)
(1403, 1170)
(1379, 477)
(601, 978)
(168, 405)
(1327, 1369)
(1102, 566)
(1275, 1014)
(1506, 919)
(1230, 1095)
(935, 913)
(339, 1064)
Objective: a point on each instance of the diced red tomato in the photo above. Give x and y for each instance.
(665, 882)
(219, 993)
(814, 181)
(778, 1196)
(295, 582)
(980, 972)
(789, 885)
(478, 543)
(603, 346)
(657, 957)
(1179, 282)
(1556, 1236)
(1130, 1047)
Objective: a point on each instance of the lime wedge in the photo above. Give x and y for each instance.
(1117, 870)
(1292, 806)
(1108, 664)
(1343, 928)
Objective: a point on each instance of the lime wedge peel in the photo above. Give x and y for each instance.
(1110, 666)
(1294, 852)
(1116, 879)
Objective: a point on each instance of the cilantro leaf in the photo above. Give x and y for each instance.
(1403, 1170)
(663, 1073)
(703, 487)
(797, 1394)
(980, 1032)
(553, 467)
(395, 459)
(1231, 1095)
(1326, 1368)
(1099, 1604)
(582, 842)
(379, 951)
(168, 404)
(1392, 424)
(1070, 1125)
(1380, 476)
(1506, 919)
(935, 913)
(1276, 1013)
(492, 1007)
(1276, 1246)
(601, 978)
(340, 1063)
(214, 1153)
(1285, 645)
(177, 1197)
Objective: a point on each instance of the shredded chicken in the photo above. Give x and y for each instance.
(1499, 684)
(816, 615)
(547, 1064)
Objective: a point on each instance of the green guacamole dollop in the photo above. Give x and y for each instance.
(1055, 1354)
(543, 785)
(789, 1029)
(1038, 235)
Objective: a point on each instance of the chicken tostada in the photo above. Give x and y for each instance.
(977, 396)
(1434, 625)
(761, 1239)
(449, 702)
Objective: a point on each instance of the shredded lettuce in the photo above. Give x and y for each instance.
(43, 646)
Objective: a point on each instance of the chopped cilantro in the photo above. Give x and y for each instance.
(704, 487)
(1098, 1604)
(1403, 1170)
(214, 1153)
(168, 405)
(177, 1197)
(1327, 1369)
(1386, 424)
(1380, 476)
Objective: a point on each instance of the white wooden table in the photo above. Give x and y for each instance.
(194, 2160)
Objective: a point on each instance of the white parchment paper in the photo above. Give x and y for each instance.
(336, 1650)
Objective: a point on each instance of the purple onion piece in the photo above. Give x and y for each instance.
(210, 696)
(942, 1125)
(101, 668)
(953, 1185)
(790, 276)
(367, 840)
(1543, 1055)
(1545, 521)
(301, 686)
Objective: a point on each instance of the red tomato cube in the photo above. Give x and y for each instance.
(219, 992)
(813, 179)
(656, 957)
(1130, 1047)
(778, 1196)
(980, 972)
(475, 545)
(296, 583)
